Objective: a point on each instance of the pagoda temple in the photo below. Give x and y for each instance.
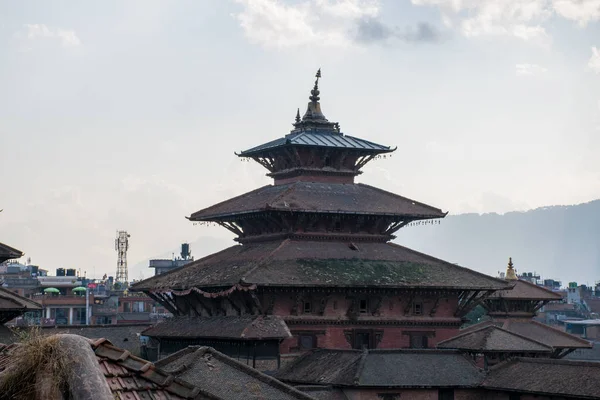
(511, 331)
(314, 249)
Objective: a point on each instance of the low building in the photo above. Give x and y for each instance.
(385, 374)
(587, 329)
(252, 339)
(225, 377)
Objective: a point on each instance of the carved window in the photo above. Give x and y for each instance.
(307, 342)
(418, 341)
(363, 306)
(417, 308)
(362, 340)
(307, 307)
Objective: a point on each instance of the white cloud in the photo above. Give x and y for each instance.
(67, 38)
(594, 63)
(273, 23)
(522, 19)
(529, 69)
(581, 11)
(517, 18)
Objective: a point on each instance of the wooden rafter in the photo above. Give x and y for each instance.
(363, 161)
(395, 226)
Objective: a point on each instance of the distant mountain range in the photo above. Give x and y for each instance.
(557, 242)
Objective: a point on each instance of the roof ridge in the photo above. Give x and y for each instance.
(565, 334)
(174, 356)
(361, 366)
(255, 373)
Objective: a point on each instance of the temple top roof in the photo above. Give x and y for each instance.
(313, 129)
(314, 197)
(523, 290)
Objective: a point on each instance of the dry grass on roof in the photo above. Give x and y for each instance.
(36, 354)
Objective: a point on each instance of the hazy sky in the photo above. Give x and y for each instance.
(126, 114)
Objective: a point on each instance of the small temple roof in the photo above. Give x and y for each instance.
(12, 305)
(313, 197)
(535, 331)
(492, 338)
(226, 327)
(7, 252)
(319, 138)
(406, 368)
(225, 377)
(543, 376)
(523, 290)
(313, 129)
(291, 263)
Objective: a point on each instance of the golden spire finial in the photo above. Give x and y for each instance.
(510, 271)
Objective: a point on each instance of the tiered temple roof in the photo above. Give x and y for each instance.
(7, 252)
(320, 263)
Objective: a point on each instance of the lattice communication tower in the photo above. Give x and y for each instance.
(121, 246)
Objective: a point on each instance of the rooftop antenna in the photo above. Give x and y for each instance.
(121, 246)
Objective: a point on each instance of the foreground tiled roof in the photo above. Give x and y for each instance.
(7, 252)
(535, 331)
(321, 263)
(492, 338)
(102, 371)
(526, 291)
(550, 377)
(228, 379)
(131, 377)
(383, 368)
(317, 138)
(319, 197)
(230, 327)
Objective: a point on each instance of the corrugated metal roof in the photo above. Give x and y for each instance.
(320, 138)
